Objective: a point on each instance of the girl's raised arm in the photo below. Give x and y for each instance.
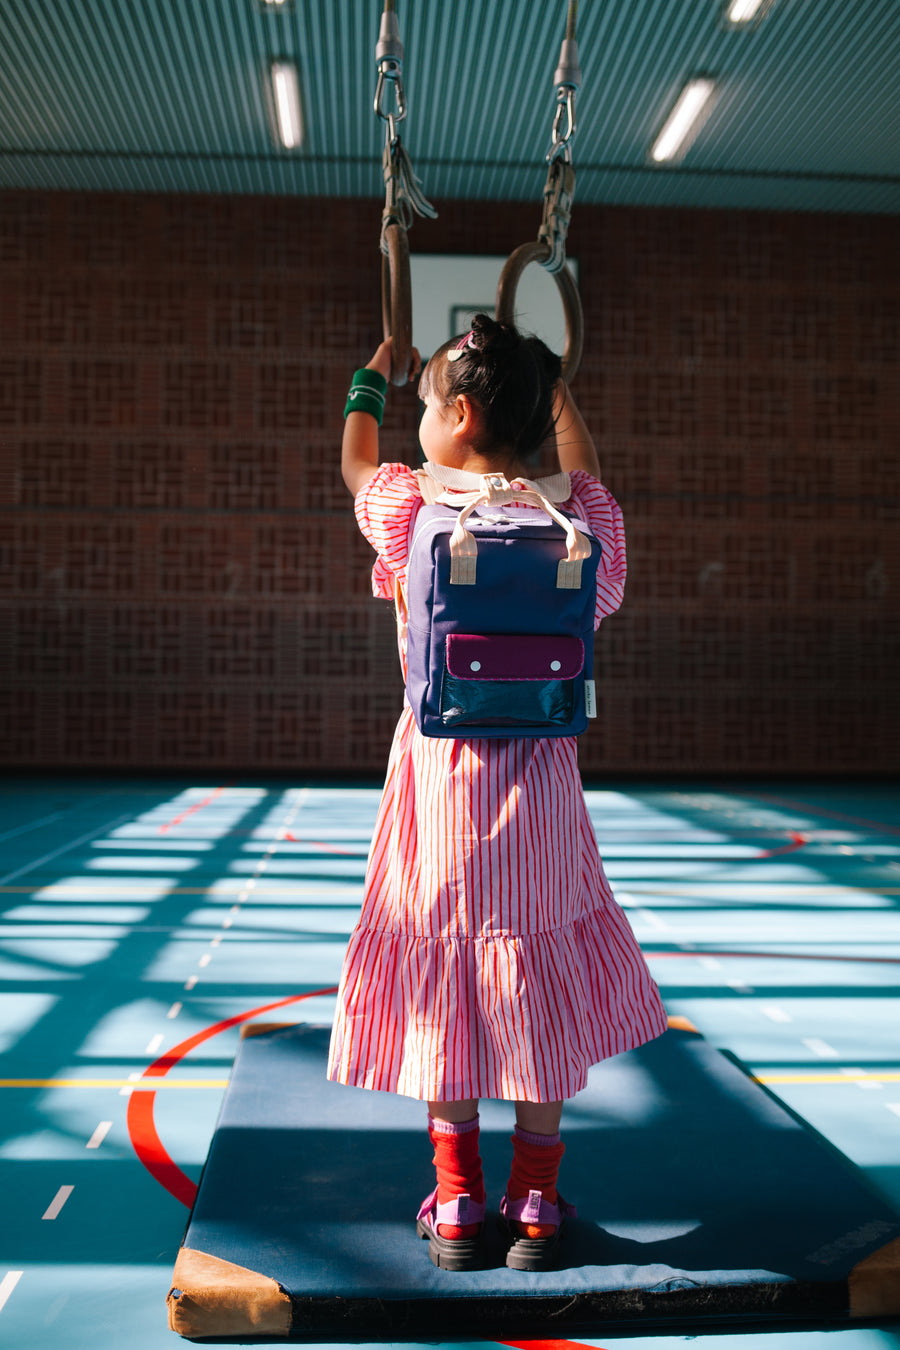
(359, 448)
(574, 444)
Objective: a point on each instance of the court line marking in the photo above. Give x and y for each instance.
(797, 841)
(819, 1047)
(56, 1204)
(142, 1131)
(8, 1284)
(198, 806)
(826, 1077)
(99, 1134)
(143, 1085)
(549, 1345)
(56, 815)
(822, 811)
(32, 825)
(132, 1083)
(48, 857)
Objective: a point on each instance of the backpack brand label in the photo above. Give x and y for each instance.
(590, 698)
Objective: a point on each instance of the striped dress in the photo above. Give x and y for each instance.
(490, 958)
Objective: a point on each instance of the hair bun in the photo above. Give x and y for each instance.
(489, 335)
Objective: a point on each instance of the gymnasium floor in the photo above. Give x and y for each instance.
(139, 917)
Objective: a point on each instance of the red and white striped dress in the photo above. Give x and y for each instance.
(490, 958)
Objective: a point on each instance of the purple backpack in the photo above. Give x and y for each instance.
(500, 612)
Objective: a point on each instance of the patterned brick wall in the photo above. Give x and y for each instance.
(182, 583)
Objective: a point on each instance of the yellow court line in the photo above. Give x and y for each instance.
(143, 1084)
(122, 892)
(137, 1083)
(826, 1077)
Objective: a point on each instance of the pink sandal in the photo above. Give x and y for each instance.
(527, 1253)
(452, 1253)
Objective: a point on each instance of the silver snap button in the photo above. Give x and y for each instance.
(475, 665)
(556, 665)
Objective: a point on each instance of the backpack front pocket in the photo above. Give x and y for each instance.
(509, 679)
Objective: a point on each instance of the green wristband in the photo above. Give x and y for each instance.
(368, 390)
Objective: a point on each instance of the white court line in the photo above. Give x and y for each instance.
(99, 1134)
(710, 962)
(33, 825)
(56, 815)
(174, 1011)
(820, 1048)
(8, 1284)
(652, 919)
(893, 1106)
(216, 942)
(58, 1201)
(775, 1014)
(863, 1082)
(204, 960)
(190, 982)
(48, 857)
(155, 1044)
(127, 1091)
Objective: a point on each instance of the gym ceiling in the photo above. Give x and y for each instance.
(176, 96)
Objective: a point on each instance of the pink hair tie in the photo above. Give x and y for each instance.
(456, 352)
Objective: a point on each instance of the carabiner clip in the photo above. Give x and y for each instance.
(562, 140)
(389, 73)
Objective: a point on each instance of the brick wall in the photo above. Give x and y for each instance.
(182, 582)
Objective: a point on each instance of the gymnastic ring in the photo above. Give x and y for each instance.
(396, 301)
(537, 251)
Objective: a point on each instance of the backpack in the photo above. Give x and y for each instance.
(500, 606)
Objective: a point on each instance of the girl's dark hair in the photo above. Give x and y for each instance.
(509, 375)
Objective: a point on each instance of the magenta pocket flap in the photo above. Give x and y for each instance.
(512, 656)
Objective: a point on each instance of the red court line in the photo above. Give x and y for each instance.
(198, 806)
(822, 811)
(329, 848)
(797, 841)
(547, 1345)
(141, 1126)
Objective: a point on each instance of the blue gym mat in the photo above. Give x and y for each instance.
(701, 1200)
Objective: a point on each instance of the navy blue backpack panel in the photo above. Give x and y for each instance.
(512, 654)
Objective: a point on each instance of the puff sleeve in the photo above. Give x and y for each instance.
(385, 508)
(602, 512)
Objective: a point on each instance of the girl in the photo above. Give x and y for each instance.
(490, 959)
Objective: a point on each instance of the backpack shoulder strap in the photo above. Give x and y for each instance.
(429, 489)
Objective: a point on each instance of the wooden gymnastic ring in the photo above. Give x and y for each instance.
(396, 301)
(537, 251)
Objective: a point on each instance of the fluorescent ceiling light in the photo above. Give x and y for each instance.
(683, 122)
(287, 104)
(743, 11)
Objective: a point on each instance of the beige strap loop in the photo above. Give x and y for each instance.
(496, 491)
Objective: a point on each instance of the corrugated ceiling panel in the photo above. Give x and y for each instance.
(173, 95)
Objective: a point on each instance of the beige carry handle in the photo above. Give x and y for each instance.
(496, 491)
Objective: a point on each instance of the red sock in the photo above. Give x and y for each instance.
(458, 1168)
(535, 1167)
